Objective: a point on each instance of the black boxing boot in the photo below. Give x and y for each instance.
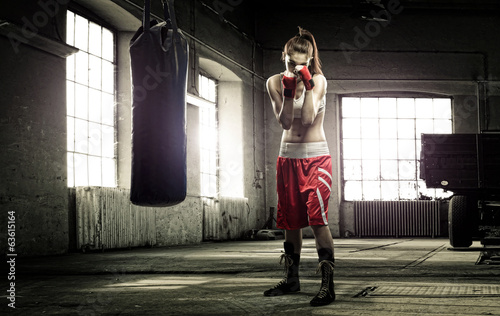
(290, 283)
(326, 293)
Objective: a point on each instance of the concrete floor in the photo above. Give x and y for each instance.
(373, 277)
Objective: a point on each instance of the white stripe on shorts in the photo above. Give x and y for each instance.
(326, 172)
(326, 183)
(320, 198)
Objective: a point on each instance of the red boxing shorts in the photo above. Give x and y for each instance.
(304, 182)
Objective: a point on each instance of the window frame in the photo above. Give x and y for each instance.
(215, 152)
(93, 18)
(396, 95)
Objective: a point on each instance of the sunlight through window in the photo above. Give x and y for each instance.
(90, 87)
(208, 137)
(381, 141)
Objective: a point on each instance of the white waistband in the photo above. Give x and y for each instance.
(303, 150)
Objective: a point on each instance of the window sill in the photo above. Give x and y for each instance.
(16, 36)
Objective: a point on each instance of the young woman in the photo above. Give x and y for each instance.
(304, 169)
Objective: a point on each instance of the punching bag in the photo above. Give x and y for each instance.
(159, 63)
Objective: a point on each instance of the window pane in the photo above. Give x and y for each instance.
(108, 109)
(70, 28)
(95, 39)
(408, 190)
(211, 90)
(108, 141)
(389, 190)
(352, 148)
(95, 105)
(213, 185)
(70, 98)
(95, 140)
(352, 191)
(418, 150)
(205, 159)
(406, 108)
(424, 108)
(369, 107)
(213, 163)
(95, 171)
(442, 108)
(351, 128)
(352, 169)
(388, 108)
(388, 149)
(70, 67)
(108, 172)
(82, 68)
(389, 128)
(369, 128)
(81, 102)
(424, 126)
(71, 170)
(442, 127)
(371, 190)
(406, 149)
(81, 170)
(81, 136)
(407, 170)
(370, 149)
(389, 169)
(108, 77)
(94, 72)
(406, 128)
(71, 133)
(108, 45)
(351, 107)
(371, 169)
(81, 33)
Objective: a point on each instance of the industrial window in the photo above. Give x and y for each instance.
(381, 142)
(90, 89)
(208, 137)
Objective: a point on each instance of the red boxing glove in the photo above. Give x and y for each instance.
(289, 86)
(305, 75)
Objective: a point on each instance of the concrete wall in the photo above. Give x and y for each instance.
(433, 52)
(33, 134)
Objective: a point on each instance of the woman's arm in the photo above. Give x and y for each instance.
(282, 106)
(313, 99)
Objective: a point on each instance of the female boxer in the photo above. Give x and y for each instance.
(304, 168)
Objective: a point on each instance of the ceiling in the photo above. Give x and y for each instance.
(407, 4)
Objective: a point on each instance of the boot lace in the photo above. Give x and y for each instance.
(288, 263)
(329, 266)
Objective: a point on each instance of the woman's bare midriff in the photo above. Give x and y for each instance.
(299, 133)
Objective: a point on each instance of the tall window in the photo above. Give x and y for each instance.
(381, 142)
(208, 137)
(90, 89)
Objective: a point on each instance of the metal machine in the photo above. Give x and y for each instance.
(469, 166)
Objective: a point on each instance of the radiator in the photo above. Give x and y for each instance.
(225, 218)
(106, 219)
(397, 218)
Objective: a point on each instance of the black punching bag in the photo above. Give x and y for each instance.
(159, 61)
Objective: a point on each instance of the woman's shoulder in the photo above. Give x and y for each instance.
(320, 78)
(274, 81)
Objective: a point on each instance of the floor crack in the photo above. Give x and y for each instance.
(425, 257)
